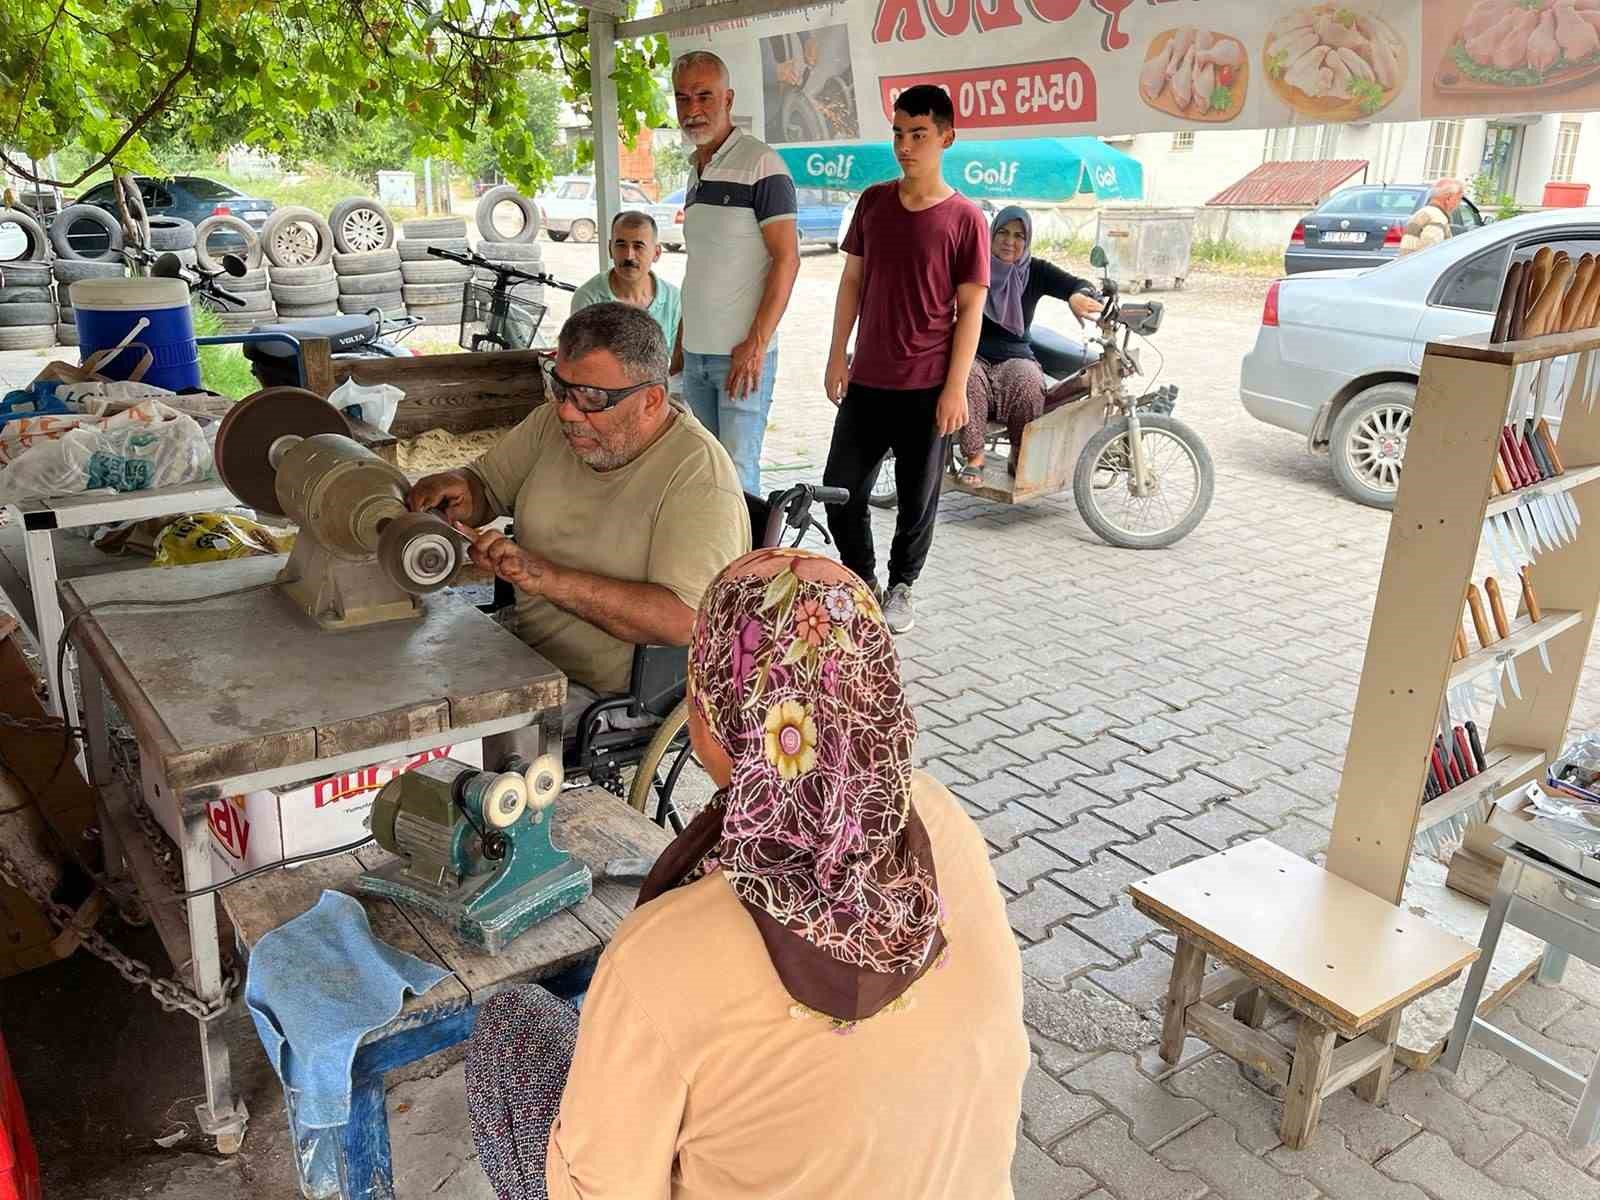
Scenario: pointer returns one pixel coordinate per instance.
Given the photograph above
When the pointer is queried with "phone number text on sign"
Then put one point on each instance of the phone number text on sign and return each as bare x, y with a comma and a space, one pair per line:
1057, 92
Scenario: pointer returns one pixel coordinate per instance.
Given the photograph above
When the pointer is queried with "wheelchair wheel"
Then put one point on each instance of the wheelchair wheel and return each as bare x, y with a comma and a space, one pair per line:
669, 786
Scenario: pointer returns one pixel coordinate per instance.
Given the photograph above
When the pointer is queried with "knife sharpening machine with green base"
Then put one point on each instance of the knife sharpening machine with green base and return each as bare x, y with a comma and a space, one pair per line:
474, 848
360, 558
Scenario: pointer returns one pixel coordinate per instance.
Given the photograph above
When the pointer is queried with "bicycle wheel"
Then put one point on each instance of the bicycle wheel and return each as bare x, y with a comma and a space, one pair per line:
1102, 484
670, 786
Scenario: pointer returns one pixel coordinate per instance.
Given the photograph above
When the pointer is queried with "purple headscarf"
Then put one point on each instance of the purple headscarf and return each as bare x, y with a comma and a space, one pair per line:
1007, 280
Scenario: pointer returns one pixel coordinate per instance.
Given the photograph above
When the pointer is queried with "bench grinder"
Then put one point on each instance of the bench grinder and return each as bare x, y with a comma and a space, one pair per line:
360, 557
474, 847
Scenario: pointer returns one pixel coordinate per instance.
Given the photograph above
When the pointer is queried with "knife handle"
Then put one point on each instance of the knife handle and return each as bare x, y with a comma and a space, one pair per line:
1469, 768
1477, 747
1529, 467
1550, 446
1508, 303
1491, 587
1479, 621
1502, 481
1458, 648
1525, 292
1532, 443
1529, 600
1441, 777
1508, 460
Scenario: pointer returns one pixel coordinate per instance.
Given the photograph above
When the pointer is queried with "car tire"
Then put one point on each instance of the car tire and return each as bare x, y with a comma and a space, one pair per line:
28, 274
28, 337
367, 285
361, 226
436, 314
299, 312
583, 230
436, 271
305, 294
432, 293
434, 229
251, 281
38, 245
375, 262
386, 301
171, 233
69, 271
554, 236
302, 276
417, 250
515, 253
226, 224
483, 216
32, 294
71, 216
287, 231
36, 313
1361, 446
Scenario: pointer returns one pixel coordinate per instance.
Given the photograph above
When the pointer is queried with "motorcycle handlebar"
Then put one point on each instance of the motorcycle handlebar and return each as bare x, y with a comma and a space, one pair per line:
222, 293
830, 495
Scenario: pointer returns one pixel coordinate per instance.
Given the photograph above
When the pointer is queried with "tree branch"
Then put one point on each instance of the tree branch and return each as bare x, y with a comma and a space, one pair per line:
33, 68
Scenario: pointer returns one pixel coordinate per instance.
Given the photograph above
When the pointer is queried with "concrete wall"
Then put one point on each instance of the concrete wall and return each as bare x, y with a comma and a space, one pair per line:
1248, 228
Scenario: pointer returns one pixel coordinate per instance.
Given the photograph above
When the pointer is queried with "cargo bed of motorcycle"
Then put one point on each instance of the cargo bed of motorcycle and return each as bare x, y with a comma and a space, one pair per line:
1050, 449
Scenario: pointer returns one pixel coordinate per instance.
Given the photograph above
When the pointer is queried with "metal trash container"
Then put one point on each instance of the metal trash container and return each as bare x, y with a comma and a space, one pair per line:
1146, 244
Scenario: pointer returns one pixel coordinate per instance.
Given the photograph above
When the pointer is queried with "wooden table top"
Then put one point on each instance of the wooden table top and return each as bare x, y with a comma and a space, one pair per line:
591, 823
1348, 952
248, 683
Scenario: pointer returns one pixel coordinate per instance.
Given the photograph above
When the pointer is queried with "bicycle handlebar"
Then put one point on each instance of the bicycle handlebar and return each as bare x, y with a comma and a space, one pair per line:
503, 273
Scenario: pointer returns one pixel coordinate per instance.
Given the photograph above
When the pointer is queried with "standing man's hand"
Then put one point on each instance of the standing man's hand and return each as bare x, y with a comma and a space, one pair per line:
951, 414
744, 369
836, 380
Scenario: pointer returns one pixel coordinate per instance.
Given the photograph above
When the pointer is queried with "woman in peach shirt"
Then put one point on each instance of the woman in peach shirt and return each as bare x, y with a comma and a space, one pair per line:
819, 994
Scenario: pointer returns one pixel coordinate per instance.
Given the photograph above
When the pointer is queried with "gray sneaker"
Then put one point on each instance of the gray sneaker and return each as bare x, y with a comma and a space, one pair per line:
898, 609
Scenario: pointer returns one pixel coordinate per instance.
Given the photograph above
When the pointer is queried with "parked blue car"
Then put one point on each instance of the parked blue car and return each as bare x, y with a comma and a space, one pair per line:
187, 196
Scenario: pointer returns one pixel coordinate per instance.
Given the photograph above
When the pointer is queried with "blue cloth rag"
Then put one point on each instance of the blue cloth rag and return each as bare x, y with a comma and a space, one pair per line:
319, 984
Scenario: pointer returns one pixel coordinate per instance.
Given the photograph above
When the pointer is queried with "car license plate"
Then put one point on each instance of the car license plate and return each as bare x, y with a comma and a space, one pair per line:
1353, 236
257, 217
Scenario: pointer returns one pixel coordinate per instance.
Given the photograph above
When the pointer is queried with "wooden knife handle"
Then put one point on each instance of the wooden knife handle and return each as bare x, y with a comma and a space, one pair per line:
1480, 621
1572, 303
1508, 303
1591, 300
1529, 600
1458, 650
1519, 310
1491, 587
1549, 443
1502, 481
1546, 314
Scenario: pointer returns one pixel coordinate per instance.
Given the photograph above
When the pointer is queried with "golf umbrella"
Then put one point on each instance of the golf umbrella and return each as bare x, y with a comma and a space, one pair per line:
1015, 169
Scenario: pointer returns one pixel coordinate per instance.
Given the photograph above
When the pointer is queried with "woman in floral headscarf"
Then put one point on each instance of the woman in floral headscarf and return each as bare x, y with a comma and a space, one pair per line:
819, 994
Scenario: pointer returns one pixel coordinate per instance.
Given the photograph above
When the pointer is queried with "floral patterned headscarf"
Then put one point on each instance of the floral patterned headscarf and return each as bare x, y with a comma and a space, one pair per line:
794, 672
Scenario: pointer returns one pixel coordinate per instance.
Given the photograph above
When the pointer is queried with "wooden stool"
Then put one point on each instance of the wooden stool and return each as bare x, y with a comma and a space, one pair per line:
1345, 960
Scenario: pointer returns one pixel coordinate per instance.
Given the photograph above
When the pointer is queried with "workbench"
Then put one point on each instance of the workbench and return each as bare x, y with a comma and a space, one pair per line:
242, 693
560, 951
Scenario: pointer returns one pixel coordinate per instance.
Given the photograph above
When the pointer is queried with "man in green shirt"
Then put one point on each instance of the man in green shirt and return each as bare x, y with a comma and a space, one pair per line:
634, 250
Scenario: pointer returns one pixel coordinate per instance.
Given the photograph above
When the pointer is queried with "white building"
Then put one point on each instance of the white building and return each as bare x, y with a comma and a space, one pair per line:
1521, 153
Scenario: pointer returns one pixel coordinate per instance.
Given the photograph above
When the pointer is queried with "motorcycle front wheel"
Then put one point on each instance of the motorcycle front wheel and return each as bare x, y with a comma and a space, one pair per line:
1102, 484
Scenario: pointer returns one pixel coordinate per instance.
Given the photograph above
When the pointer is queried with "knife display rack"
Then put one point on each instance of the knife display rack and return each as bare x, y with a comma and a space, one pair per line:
1468, 391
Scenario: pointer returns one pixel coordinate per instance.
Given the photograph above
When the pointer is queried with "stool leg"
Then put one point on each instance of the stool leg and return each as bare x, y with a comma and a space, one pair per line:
1374, 1087
365, 1172
1251, 1008
1182, 990
1553, 966
1505, 889
1313, 1055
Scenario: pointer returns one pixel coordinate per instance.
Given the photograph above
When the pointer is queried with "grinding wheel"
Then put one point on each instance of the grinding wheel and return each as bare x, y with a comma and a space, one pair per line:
420, 552
247, 433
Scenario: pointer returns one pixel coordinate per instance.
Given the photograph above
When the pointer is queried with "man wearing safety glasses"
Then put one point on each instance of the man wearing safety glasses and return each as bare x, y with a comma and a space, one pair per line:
623, 507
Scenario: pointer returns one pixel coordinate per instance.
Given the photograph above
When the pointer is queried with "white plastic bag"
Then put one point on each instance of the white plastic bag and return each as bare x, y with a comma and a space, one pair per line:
126, 457
376, 404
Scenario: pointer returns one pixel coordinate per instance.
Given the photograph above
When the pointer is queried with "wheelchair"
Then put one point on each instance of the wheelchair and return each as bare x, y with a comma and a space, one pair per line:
656, 742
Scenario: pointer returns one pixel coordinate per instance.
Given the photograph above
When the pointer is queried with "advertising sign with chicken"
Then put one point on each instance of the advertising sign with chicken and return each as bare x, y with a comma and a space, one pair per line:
1024, 68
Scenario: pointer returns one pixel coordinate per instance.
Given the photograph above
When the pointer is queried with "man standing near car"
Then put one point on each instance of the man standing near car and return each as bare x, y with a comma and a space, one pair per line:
744, 253
631, 281
916, 272
1430, 224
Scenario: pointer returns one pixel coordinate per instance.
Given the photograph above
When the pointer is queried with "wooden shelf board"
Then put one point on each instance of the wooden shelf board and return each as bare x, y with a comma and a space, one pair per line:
1478, 348
1506, 763
1526, 636
1573, 477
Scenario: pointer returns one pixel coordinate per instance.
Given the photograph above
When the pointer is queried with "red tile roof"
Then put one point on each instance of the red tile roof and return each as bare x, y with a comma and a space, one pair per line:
1290, 183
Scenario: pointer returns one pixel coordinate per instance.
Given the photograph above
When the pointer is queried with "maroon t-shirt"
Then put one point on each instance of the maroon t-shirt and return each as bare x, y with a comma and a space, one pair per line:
911, 265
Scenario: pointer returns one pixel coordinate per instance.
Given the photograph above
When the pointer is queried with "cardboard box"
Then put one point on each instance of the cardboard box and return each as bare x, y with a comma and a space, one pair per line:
261, 828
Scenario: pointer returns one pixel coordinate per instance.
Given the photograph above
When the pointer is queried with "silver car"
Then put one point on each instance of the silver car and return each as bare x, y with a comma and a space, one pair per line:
1338, 354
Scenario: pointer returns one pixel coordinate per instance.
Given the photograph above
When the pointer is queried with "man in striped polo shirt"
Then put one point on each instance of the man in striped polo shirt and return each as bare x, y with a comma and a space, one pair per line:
744, 254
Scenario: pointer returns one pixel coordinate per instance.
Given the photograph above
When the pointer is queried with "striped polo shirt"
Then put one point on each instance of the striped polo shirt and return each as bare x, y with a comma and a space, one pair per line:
744, 187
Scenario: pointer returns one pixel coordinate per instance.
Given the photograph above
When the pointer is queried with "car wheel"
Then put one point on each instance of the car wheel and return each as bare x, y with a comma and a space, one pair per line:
1368, 443
361, 226
297, 237
583, 230
556, 237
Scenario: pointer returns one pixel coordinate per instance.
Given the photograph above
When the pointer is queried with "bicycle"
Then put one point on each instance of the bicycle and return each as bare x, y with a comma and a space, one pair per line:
493, 317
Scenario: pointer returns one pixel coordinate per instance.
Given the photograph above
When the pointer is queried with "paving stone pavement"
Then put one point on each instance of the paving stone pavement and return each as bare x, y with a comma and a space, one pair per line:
1105, 714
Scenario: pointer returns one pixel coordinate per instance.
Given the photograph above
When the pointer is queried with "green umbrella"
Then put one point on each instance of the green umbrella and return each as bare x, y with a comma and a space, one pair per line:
1014, 169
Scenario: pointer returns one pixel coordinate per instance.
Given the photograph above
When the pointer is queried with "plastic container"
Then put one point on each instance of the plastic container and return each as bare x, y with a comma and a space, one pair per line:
1566, 195
1146, 244
106, 309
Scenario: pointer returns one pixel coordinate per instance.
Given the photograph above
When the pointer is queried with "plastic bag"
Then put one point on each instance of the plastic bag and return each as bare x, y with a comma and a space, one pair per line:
213, 536
376, 404
126, 453
1576, 770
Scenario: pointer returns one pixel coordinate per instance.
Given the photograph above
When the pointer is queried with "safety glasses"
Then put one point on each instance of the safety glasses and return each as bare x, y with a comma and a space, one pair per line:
585, 397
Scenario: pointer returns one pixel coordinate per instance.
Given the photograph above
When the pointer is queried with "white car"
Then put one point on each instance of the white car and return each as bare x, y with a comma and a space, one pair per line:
568, 209
1339, 352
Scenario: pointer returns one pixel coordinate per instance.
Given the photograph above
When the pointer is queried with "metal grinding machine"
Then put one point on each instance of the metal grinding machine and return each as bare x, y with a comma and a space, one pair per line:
474, 847
361, 557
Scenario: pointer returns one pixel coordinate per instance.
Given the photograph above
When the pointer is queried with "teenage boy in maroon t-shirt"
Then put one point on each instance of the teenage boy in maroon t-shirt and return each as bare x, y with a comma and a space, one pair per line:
916, 273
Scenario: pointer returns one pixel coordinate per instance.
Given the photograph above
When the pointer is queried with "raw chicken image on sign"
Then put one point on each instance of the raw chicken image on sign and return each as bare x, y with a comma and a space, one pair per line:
1195, 73
1510, 48
1334, 62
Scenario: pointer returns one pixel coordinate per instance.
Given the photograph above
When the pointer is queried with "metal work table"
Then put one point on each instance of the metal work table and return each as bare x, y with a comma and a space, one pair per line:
559, 951
242, 693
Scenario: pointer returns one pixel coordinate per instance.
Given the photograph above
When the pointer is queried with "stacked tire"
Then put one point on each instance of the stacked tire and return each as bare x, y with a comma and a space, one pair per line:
66, 272
364, 258
517, 249
27, 308
252, 287
431, 286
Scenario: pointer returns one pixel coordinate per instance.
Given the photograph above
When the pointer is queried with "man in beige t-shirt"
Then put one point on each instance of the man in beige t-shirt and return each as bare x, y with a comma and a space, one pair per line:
623, 507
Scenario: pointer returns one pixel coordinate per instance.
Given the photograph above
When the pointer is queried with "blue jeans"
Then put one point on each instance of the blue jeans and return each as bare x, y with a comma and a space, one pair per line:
740, 425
